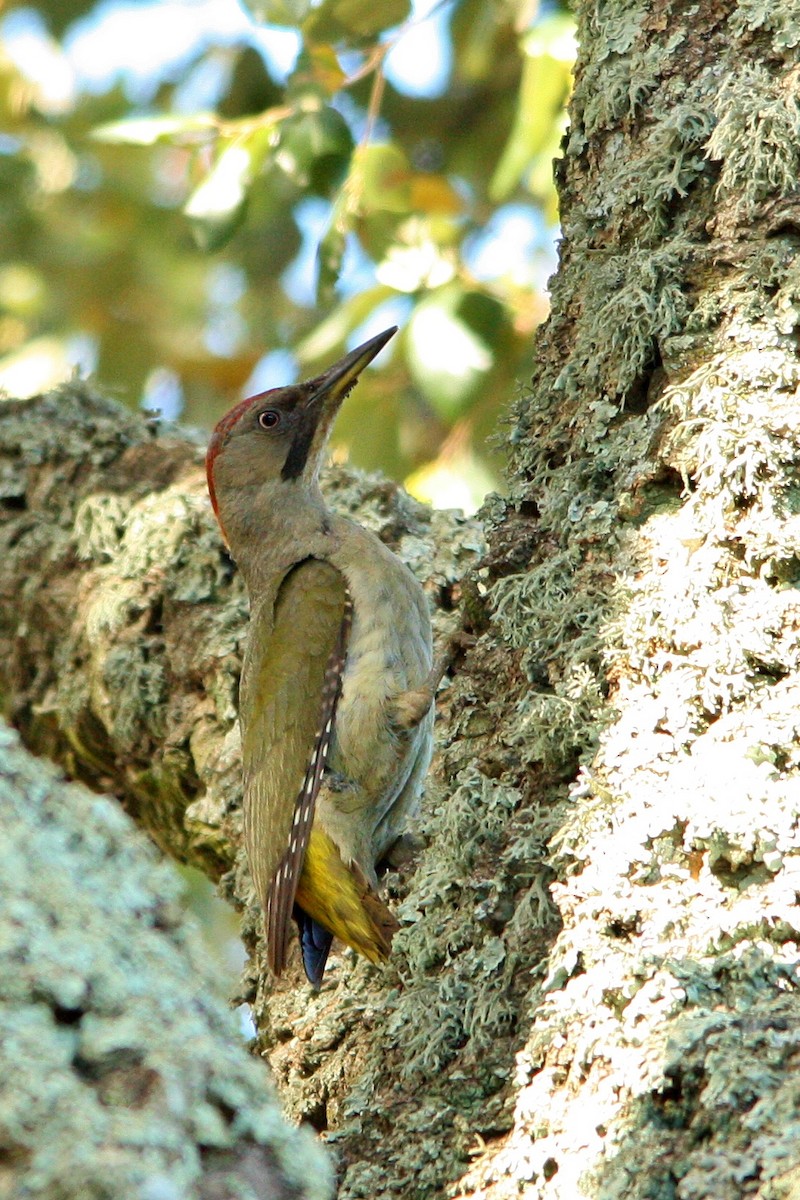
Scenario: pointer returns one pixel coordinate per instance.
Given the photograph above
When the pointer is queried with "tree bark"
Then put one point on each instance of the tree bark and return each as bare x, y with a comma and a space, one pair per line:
123, 1075
656, 623
594, 990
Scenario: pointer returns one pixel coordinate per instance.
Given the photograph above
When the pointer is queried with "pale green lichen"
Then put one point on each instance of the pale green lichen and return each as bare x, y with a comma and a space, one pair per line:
756, 139
630, 304
781, 20
124, 1073
455, 975
627, 69
662, 600
672, 162
678, 859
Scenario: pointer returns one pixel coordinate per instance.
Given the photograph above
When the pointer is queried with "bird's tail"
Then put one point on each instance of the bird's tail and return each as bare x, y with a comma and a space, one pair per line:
340, 900
315, 944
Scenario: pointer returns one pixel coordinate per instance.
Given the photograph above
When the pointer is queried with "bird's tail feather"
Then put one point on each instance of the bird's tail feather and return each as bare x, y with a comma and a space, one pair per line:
340, 899
315, 944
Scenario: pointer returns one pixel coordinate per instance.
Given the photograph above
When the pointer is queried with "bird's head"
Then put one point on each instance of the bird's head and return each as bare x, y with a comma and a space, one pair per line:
274, 443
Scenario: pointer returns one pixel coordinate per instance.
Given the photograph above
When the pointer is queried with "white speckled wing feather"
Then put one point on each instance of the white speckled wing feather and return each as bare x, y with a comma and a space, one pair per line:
294, 661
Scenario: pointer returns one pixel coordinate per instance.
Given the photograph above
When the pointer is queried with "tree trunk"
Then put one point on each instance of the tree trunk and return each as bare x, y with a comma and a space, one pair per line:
593, 992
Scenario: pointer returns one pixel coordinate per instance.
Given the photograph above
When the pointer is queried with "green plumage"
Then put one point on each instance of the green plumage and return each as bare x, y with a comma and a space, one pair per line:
339, 655
291, 641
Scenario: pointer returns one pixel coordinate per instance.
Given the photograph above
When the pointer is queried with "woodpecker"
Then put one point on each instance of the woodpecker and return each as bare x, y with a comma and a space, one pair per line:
337, 687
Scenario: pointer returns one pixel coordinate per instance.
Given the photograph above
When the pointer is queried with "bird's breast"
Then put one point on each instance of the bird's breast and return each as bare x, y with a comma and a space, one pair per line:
389, 652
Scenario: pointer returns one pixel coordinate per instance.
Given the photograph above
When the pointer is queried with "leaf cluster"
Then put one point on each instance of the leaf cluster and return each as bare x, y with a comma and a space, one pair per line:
173, 230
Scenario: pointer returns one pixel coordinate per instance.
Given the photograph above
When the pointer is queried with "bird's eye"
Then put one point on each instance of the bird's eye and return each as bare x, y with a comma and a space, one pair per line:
269, 419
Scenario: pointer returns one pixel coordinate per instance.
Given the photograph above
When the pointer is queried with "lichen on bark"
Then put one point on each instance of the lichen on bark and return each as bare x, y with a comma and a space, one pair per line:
657, 455
124, 1074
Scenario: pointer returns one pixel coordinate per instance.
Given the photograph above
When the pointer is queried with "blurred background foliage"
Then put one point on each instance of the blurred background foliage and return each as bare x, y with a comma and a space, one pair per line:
201, 199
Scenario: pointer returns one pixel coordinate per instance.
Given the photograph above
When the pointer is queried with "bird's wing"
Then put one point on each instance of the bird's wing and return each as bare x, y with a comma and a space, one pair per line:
294, 662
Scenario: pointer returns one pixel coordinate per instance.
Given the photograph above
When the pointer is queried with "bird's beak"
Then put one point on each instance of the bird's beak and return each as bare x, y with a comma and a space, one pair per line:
330, 388
324, 397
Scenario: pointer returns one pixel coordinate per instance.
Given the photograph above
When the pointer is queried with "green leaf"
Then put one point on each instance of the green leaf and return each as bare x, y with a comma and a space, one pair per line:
23, 291
317, 70
329, 261
481, 34
382, 179
216, 207
315, 149
146, 131
251, 89
278, 12
346, 20
331, 334
60, 14
447, 356
543, 89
